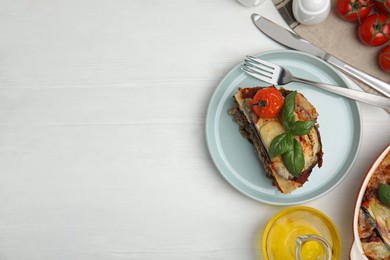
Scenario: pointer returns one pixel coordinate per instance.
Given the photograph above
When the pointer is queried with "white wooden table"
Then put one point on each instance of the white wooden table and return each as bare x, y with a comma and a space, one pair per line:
102, 143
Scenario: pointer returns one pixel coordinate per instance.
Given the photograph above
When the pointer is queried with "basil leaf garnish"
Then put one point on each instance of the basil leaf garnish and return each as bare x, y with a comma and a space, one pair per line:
293, 158
280, 144
300, 128
288, 117
286, 144
384, 194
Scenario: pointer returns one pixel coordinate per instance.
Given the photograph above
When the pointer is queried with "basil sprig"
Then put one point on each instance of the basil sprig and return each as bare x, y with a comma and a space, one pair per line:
286, 144
384, 194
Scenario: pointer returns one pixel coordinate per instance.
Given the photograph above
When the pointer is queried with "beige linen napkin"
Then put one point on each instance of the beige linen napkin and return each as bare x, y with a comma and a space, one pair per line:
339, 38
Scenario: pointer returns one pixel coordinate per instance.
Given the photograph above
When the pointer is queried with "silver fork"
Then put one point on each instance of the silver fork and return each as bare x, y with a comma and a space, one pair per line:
277, 75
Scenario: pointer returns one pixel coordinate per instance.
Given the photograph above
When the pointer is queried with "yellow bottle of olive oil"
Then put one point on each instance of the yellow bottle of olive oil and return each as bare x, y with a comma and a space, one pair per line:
301, 233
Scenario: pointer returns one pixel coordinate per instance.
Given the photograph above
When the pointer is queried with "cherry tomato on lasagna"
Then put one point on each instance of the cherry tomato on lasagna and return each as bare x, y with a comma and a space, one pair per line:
267, 102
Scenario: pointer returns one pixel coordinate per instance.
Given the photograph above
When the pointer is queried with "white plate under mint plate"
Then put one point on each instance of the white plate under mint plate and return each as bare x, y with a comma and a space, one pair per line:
340, 128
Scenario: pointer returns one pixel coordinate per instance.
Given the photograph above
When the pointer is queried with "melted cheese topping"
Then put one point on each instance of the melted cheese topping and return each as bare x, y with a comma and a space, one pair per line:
269, 131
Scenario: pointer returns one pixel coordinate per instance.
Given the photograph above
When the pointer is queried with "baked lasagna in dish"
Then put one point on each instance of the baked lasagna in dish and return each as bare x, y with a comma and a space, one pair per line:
282, 126
374, 213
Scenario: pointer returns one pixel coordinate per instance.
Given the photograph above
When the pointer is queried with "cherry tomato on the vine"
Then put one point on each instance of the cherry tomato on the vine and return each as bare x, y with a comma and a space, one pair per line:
382, 6
384, 58
353, 10
374, 30
267, 102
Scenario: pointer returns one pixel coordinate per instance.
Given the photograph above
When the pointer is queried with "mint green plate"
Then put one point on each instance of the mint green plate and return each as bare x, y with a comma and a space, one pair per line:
340, 128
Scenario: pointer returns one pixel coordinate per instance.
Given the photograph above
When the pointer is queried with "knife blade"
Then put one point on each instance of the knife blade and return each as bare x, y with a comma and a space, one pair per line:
294, 41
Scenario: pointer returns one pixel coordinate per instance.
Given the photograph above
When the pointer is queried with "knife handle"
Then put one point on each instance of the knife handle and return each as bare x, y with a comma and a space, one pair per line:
371, 81
361, 96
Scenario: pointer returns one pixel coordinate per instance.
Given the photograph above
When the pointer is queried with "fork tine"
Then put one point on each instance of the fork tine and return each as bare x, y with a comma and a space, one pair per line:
259, 65
254, 73
253, 69
263, 70
263, 62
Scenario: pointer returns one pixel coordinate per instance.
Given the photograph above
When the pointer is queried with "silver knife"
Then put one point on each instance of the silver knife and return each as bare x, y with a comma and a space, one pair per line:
294, 41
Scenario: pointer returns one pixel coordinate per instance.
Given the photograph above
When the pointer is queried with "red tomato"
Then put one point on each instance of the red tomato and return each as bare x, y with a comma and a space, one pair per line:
353, 10
267, 102
374, 30
382, 6
384, 58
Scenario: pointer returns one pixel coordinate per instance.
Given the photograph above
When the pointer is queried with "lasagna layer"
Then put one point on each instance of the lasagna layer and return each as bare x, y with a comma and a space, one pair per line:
260, 132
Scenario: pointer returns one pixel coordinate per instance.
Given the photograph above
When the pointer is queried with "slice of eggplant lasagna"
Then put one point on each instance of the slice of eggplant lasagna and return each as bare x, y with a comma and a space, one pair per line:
280, 128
